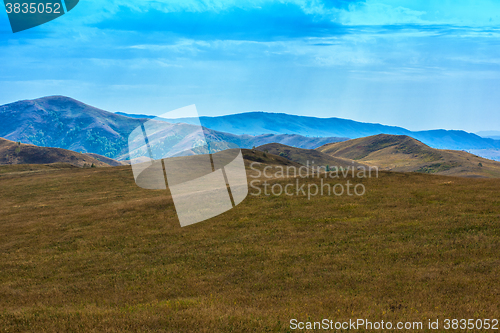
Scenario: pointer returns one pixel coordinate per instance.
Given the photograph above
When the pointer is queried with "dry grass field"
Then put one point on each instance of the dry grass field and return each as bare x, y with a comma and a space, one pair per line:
86, 250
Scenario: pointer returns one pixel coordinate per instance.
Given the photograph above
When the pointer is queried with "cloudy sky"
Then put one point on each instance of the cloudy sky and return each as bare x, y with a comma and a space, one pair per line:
417, 64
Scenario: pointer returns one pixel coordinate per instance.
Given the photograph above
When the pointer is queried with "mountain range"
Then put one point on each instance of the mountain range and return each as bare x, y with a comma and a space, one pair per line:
257, 123
62, 122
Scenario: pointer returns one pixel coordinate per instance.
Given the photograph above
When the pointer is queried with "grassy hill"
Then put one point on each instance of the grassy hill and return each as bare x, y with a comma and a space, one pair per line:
87, 250
19, 153
305, 156
405, 154
107, 160
255, 155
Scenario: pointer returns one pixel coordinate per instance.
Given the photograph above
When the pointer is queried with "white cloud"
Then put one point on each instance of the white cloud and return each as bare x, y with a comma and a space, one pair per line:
375, 13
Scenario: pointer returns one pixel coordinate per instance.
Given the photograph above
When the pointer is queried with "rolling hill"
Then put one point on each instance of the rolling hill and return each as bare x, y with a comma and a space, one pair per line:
107, 160
405, 154
307, 156
257, 123
13, 153
19, 153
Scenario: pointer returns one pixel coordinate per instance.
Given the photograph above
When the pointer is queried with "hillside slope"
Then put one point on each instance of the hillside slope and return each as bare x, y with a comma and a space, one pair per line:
308, 156
62, 122
405, 154
19, 153
107, 160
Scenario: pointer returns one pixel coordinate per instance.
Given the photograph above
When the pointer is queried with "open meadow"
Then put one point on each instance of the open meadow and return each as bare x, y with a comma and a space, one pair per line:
86, 250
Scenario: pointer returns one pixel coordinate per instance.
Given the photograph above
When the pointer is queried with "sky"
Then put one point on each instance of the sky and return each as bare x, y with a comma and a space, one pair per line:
421, 65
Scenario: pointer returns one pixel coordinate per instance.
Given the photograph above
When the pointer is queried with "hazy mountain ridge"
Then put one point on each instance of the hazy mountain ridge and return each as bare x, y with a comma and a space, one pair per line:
489, 134
62, 122
492, 154
257, 123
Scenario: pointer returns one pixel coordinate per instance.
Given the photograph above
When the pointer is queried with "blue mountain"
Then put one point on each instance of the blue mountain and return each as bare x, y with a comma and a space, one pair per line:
258, 123
62, 122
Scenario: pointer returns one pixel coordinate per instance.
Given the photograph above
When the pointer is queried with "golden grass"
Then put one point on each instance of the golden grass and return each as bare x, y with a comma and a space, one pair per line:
404, 154
86, 250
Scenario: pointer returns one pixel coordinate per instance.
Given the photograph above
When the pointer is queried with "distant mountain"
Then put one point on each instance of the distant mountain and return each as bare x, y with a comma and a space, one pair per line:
62, 122
492, 154
18, 153
256, 123
489, 134
405, 154
294, 140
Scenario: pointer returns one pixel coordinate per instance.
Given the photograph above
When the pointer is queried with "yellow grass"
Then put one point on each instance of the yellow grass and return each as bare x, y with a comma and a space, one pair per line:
86, 250
404, 154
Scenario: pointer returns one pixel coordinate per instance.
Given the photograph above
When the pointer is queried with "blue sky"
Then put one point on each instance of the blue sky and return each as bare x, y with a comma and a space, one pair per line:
416, 64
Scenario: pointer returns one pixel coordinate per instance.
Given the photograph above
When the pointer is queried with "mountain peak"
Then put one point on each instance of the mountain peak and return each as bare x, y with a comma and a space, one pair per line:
60, 101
